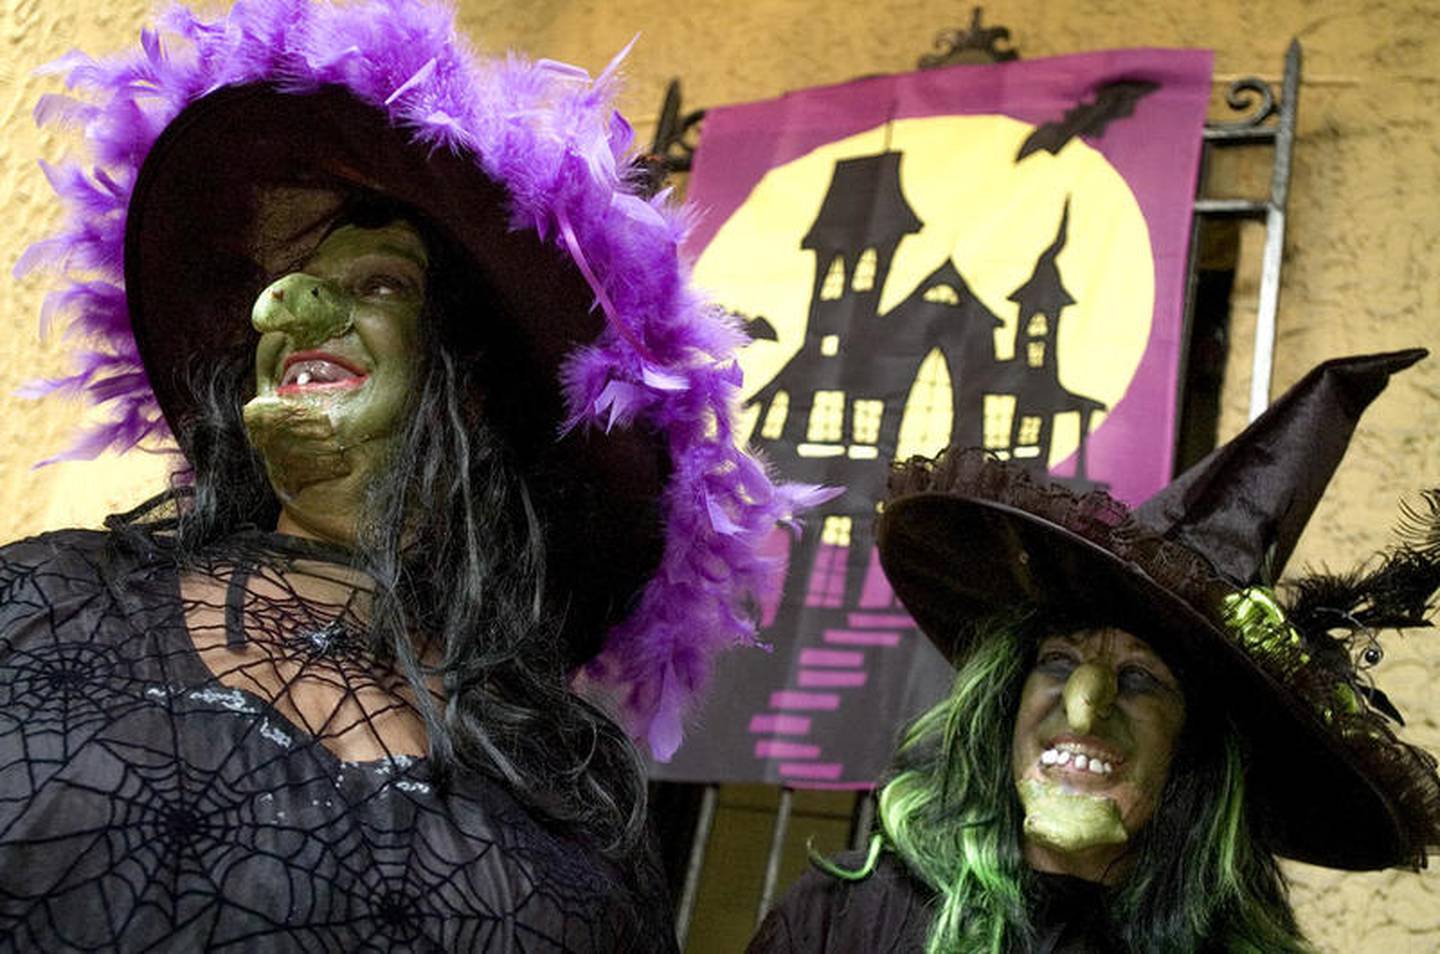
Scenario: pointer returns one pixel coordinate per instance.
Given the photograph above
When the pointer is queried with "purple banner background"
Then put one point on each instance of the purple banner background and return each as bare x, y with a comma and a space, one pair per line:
749, 728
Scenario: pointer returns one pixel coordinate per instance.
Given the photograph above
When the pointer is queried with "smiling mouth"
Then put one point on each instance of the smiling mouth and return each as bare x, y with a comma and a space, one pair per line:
1078, 759
307, 371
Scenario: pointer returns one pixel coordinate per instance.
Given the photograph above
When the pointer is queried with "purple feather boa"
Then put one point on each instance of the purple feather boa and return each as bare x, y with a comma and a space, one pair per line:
546, 131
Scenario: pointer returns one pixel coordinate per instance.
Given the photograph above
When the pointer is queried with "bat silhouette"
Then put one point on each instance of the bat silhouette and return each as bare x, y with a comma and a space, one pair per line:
1112, 101
758, 328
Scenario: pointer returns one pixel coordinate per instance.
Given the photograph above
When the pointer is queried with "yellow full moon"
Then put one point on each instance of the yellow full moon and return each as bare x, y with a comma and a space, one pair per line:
989, 214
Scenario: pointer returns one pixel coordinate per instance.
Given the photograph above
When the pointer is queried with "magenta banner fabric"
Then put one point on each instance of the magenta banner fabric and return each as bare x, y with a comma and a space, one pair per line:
985, 255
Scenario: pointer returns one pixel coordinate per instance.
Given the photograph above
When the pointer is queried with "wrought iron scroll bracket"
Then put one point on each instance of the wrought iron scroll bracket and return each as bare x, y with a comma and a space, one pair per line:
972, 45
1250, 93
673, 148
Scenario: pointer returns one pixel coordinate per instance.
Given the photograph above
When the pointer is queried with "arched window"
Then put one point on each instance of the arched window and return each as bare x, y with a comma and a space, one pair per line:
775, 415
929, 414
834, 285
864, 279
942, 295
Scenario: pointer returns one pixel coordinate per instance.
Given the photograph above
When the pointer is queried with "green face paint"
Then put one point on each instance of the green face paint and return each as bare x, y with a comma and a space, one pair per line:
336, 363
1095, 731
1069, 821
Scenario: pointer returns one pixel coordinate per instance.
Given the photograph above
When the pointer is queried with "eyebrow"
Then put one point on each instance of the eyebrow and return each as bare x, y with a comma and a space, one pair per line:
416, 257
414, 251
1076, 638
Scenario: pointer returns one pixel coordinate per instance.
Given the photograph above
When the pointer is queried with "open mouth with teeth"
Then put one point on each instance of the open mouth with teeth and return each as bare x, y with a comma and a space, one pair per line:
1064, 757
309, 371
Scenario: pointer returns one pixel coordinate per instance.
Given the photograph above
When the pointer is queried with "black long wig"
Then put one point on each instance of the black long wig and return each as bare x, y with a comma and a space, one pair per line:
455, 544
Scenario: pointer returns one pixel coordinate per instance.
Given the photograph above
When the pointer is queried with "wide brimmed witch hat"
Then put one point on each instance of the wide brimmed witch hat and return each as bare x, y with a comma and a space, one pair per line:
224, 149
965, 535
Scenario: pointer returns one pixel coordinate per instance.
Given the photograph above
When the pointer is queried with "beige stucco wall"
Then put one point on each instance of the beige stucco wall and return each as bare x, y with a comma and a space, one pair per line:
1364, 219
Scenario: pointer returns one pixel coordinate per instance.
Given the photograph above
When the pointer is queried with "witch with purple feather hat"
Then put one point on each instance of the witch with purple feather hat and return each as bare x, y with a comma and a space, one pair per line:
458, 511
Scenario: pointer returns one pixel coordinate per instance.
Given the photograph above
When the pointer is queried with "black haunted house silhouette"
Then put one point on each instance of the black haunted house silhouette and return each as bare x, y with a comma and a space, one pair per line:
834, 413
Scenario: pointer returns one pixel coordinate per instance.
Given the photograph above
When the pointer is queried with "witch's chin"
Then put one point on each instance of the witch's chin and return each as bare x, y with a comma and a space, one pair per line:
1069, 821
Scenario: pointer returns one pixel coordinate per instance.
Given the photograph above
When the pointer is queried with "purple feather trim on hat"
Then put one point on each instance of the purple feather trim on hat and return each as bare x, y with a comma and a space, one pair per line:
547, 132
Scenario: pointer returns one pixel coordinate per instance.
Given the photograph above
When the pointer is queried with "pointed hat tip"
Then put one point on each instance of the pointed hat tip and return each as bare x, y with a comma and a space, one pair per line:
1244, 505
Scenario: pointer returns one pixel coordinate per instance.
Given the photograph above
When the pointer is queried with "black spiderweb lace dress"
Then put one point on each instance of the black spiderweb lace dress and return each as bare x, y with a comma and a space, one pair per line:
162, 787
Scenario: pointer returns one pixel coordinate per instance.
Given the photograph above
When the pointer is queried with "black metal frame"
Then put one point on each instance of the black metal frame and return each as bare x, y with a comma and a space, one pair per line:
1256, 130
1269, 121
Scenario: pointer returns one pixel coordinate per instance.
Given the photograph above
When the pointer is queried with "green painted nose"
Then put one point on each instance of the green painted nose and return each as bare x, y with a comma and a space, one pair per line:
309, 309
1089, 694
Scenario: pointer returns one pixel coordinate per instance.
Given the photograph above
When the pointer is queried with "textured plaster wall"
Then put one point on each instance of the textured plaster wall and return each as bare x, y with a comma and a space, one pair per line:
1364, 220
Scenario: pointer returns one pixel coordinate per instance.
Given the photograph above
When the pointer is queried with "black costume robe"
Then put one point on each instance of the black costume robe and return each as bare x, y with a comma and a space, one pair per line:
889, 912
147, 805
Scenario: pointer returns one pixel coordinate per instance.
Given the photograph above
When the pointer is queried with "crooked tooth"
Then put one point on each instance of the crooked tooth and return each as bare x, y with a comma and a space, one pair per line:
1097, 767
1108, 768
1063, 758
1049, 757
1080, 761
303, 378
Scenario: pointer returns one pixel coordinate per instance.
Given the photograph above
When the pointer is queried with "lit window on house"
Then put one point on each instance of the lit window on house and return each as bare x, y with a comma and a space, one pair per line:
929, 414
775, 415
830, 345
865, 420
1029, 433
942, 295
864, 279
1038, 326
834, 284
1035, 354
827, 417
836, 532
999, 414
827, 578
820, 450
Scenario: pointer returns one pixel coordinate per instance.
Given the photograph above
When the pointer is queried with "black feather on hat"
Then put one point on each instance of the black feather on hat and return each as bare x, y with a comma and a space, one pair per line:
965, 535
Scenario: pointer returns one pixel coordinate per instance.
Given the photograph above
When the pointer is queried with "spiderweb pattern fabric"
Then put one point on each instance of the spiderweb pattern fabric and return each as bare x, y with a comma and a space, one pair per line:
212, 760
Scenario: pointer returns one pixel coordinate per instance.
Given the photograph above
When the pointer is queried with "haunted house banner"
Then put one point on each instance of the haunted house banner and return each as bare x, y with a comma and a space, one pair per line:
992, 256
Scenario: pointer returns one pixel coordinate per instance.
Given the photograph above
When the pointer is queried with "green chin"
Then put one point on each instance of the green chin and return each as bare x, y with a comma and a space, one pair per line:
1069, 821
298, 442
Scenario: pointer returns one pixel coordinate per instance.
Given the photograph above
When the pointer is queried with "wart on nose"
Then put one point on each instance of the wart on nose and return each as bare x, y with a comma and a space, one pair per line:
308, 308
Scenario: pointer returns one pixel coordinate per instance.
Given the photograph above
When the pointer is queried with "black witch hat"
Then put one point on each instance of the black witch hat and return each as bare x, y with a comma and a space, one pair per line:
965, 535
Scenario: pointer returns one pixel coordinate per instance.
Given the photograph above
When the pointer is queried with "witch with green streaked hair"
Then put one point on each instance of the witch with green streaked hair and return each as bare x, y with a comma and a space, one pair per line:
1142, 719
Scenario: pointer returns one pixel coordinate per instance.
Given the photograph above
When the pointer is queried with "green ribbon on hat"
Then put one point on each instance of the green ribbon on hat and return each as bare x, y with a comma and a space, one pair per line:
1256, 617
